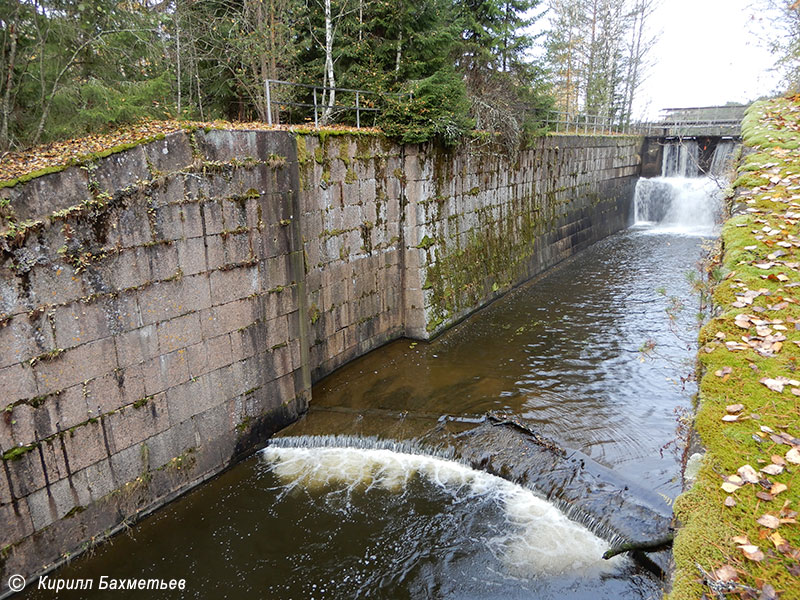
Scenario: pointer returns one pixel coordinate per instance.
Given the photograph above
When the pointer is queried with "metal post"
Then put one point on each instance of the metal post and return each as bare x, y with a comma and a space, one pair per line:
316, 120
269, 104
358, 113
594, 131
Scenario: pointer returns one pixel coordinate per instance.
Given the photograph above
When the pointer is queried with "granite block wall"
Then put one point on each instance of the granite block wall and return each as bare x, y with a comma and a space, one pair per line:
165, 309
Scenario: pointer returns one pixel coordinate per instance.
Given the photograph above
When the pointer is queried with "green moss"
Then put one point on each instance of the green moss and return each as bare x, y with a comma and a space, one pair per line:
18, 452
344, 151
707, 524
314, 313
276, 161
426, 243
142, 402
350, 176
75, 510
46, 356
82, 160
303, 155
244, 424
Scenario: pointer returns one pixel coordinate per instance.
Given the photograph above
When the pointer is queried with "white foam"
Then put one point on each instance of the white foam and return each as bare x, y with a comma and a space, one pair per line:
688, 206
539, 541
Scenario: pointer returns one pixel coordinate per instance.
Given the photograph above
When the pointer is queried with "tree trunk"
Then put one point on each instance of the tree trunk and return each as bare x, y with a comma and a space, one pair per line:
12, 56
326, 115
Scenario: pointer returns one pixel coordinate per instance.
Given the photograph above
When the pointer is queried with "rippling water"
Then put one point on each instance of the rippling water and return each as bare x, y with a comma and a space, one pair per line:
562, 352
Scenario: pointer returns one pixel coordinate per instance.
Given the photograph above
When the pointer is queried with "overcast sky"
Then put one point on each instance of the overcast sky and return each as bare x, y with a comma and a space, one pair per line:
708, 54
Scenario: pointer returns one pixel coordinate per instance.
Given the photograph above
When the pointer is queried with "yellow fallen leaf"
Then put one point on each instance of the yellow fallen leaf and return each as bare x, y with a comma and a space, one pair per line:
730, 487
777, 488
777, 539
740, 540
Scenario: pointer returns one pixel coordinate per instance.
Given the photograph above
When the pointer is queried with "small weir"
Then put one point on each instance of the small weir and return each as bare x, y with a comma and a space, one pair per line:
397, 485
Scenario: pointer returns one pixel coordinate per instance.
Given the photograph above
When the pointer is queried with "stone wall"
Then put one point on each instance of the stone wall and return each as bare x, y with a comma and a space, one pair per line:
351, 197
478, 223
164, 310
151, 333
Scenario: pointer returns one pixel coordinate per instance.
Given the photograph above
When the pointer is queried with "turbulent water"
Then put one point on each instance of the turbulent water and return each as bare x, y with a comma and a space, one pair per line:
680, 205
594, 354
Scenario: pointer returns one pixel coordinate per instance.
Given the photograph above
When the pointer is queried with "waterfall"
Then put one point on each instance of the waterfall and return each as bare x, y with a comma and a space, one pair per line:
720, 162
681, 159
684, 205
536, 538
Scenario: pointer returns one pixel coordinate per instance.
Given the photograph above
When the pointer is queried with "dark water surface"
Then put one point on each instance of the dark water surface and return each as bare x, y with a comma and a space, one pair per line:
562, 352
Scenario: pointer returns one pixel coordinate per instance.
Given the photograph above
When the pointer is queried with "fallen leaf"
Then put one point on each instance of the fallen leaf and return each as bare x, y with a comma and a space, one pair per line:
752, 552
748, 474
773, 384
730, 502
734, 408
777, 539
768, 593
730, 487
723, 371
726, 573
730, 418
770, 521
772, 470
765, 496
740, 540
777, 488
793, 456
778, 460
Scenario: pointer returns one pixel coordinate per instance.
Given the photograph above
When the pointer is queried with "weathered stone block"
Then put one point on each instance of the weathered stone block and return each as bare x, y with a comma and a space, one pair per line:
193, 224
169, 299
17, 522
173, 153
191, 256
165, 371
84, 445
120, 170
71, 366
80, 323
179, 332
133, 425
234, 284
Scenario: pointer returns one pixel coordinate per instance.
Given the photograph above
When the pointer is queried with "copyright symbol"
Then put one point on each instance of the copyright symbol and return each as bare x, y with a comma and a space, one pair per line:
16, 583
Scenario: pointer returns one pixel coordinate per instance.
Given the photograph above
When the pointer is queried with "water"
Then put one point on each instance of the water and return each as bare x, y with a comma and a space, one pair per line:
681, 159
679, 205
565, 353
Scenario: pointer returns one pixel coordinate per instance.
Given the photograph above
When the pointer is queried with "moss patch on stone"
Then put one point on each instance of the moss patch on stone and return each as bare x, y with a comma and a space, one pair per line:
737, 361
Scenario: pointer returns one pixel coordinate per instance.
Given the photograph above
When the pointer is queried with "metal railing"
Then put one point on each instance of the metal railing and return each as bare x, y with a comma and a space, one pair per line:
318, 107
576, 123
567, 122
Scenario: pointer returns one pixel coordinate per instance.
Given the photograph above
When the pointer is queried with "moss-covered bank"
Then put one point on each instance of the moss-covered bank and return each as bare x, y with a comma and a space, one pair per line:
738, 521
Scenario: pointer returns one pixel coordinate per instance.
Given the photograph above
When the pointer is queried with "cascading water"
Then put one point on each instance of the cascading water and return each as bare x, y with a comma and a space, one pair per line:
681, 205
531, 538
680, 201
681, 159
720, 162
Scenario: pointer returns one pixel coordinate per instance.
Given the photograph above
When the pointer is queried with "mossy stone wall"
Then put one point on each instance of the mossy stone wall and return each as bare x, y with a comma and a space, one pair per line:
481, 222
164, 310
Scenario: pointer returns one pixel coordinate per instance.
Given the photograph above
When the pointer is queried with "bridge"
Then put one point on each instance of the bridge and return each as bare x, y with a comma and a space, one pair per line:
700, 121
707, 125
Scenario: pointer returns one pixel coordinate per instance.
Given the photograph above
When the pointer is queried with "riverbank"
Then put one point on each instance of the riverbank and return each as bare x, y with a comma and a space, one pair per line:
739, 520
